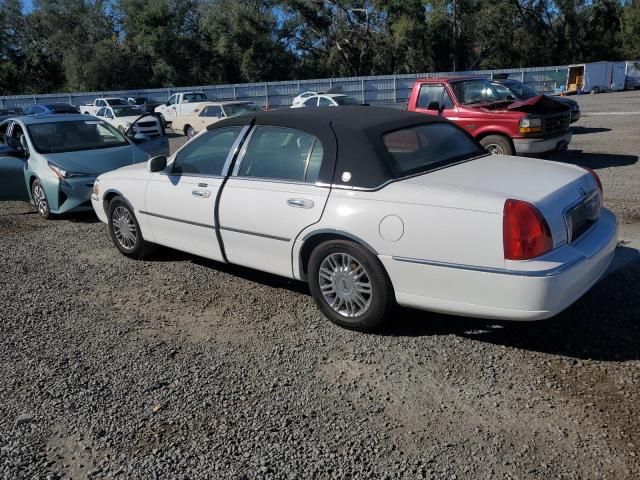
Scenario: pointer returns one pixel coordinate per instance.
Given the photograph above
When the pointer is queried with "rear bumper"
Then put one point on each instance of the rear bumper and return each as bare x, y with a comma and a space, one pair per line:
542, 145
525, 290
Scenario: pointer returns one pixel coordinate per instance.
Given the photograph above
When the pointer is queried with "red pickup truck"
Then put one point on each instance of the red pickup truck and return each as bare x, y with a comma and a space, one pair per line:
491, 114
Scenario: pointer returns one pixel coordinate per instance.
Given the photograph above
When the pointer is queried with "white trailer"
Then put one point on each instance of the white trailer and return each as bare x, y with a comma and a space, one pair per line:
596, 77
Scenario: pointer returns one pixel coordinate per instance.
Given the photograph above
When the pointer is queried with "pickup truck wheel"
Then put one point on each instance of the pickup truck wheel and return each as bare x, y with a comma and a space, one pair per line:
497, 144
350, 285
595, 90
125, 230
189, 131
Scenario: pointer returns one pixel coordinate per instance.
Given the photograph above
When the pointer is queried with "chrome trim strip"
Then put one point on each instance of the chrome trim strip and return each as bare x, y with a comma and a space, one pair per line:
243, 151
500, 271
256, 234
277, 180
234, 150
164, 217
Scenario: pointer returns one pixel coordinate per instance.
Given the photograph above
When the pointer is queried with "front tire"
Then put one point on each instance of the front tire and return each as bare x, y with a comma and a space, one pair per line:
497, 145
350, 285
189, 131
40, 200
125, 230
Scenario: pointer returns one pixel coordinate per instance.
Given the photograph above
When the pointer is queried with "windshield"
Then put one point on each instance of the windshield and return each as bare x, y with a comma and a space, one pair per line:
240, 108
478, 91
116, 101
522, 90
58, 137
346, 100
426, 147
194, 97
127, 111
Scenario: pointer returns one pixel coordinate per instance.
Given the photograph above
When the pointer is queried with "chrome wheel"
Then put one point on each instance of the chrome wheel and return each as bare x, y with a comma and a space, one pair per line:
345, 285
191, 132
40, 200
494, 149
124, 228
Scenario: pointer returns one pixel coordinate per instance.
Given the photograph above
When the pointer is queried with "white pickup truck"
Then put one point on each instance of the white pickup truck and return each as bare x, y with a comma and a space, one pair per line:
182, 103
99, 103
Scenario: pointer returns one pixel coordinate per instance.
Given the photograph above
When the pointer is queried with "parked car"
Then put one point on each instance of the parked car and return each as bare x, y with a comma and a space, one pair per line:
210, 113
522, 91
132, 117
99, 103
371, 210
328, 100
53, 160
39, 108
501, 125
298, 99
182, 103
10, 112
146, 103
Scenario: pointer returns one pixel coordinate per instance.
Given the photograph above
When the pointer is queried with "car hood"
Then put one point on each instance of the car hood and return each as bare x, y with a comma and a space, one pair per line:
95, 162
540, 104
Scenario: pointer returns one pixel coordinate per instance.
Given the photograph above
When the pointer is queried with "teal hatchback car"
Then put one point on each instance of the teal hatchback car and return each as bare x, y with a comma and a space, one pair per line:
53, 160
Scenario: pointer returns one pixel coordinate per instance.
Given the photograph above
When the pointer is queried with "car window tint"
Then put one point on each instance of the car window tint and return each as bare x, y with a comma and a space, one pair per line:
425, 147
311, 102
211, 111
206, 154
324, 102
278, 153
172, 99
433, 93
3, 131
315, 162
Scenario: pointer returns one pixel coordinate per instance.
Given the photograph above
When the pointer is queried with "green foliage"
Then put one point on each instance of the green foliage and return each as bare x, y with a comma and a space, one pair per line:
96, 45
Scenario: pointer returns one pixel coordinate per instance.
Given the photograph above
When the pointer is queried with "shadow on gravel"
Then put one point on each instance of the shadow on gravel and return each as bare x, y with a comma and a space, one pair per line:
586, 130
593, 160
603, 325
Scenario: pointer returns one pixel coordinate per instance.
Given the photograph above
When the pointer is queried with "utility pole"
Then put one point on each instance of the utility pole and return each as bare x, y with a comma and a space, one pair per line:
455, 33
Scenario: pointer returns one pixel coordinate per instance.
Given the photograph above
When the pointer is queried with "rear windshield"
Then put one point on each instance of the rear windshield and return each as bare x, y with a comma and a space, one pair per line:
426, 147
346, 100
194, 97
130, 111
58, 137
239, 108
117, 101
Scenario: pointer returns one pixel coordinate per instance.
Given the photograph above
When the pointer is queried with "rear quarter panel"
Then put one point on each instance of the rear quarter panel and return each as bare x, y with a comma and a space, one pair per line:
432, 227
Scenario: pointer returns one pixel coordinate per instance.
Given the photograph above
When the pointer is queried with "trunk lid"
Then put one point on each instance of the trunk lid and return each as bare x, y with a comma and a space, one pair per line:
487, 182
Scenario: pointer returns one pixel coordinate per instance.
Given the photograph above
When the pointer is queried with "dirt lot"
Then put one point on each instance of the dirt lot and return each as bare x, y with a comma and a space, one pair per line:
184, 368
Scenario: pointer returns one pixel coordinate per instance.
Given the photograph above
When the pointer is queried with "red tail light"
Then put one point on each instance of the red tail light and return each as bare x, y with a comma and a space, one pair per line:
525, 232
595, 177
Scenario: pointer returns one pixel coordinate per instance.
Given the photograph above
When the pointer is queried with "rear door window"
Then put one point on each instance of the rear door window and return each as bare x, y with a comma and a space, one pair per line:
282, 154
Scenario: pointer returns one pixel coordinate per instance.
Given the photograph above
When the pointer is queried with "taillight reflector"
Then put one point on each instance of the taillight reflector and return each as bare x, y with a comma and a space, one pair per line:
525, 232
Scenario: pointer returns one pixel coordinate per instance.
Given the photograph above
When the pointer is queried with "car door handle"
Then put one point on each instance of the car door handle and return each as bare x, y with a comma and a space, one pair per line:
201, 193
300, 203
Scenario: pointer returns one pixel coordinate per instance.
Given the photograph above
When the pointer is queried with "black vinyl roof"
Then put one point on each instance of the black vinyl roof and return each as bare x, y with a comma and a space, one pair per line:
351, 138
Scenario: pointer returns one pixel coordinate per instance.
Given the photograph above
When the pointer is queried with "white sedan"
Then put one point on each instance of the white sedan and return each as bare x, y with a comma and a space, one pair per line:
298, 99
371, 210
327, 100
124, 116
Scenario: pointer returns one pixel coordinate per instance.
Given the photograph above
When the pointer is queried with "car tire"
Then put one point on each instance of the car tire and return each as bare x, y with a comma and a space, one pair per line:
350, 285
497, 144
595, 90
189, 131
124, 230
40, 200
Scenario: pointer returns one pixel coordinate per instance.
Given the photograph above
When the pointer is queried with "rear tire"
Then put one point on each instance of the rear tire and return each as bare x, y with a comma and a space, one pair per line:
497, 145
189, 131
125, 230
350, 285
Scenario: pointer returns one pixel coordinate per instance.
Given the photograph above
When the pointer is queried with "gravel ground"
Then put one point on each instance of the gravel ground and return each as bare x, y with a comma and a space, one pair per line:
184, 368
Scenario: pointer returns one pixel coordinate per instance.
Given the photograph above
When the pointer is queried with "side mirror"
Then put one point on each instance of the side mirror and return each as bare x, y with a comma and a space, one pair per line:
167, 103
435, 106
157, 164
